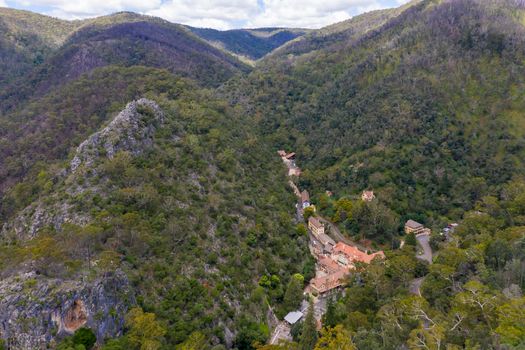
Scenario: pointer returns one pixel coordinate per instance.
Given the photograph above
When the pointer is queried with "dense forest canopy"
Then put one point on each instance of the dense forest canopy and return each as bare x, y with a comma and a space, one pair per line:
139, 173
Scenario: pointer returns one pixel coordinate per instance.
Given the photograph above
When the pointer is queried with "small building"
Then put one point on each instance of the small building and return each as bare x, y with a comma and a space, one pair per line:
316, 226
367, 196
412, 226
305, 199
293, 317
290, 156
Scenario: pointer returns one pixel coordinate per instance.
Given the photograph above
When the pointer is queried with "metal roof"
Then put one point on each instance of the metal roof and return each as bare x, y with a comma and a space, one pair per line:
293, 317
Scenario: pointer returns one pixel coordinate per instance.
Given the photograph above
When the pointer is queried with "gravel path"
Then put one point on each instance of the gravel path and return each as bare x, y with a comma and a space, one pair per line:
423, 241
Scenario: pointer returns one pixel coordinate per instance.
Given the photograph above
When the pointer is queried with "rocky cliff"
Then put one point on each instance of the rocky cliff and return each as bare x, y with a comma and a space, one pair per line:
130, 131
35, 310
37, 307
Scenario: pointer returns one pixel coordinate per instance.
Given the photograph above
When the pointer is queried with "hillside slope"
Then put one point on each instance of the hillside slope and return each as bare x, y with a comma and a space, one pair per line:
177, 194
337, 35
426, 109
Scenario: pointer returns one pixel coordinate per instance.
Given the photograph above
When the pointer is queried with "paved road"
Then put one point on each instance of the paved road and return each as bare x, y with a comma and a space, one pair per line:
423, 241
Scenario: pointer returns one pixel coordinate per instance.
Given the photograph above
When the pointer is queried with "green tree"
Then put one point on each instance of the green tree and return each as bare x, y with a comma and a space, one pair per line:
145, 332
308, 212
309, 334
84, 336
336, 338
196, 341
294, 293
511, 320
330, 316
410, 239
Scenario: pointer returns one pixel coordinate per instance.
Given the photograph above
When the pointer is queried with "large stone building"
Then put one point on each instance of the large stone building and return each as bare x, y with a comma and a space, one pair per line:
315, 226
414, 227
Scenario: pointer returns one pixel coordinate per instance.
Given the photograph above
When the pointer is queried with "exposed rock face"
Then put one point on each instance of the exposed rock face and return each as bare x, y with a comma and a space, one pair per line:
131, 130
34, 310
37, 216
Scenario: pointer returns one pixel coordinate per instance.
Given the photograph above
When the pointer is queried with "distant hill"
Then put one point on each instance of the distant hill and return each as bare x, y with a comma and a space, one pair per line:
249, 43
27, 40
123, 39
339, 34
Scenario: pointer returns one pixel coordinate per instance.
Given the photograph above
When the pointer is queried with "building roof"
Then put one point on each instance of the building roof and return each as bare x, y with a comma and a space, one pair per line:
368, 195
325, 239
290, 155
315, 222
413, 224
353, 254
305, 196
293, 317
328, 282
328, 264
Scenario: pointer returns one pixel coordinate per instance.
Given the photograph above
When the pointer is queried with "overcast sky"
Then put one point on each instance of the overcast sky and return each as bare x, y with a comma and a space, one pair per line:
219, 14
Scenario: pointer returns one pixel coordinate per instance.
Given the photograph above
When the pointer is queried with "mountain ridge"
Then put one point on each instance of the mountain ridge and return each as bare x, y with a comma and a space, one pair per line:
161, 157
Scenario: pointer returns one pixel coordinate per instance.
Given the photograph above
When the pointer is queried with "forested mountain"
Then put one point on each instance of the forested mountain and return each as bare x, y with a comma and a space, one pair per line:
250, 43
143, 205
425, 108
123, 39
337, 34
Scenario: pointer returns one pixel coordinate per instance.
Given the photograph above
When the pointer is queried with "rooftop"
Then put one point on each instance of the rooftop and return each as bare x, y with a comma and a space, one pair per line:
331, 281
328, 263
293, 317
368, 195
325, 239
355, 254
315, 222
413, 224
305, 196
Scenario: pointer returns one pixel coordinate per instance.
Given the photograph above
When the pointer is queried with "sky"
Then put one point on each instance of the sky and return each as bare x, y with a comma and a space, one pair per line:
218, 14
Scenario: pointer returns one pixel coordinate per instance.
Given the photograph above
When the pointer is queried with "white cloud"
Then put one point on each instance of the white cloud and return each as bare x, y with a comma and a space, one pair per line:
3, 3
207, 13
220, 14
310, 13
80, 9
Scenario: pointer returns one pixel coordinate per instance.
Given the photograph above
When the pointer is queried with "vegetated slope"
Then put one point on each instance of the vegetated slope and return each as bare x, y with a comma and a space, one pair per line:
249, 43
27, 40
183, 198
337, 35
45, 129
124, 39
427, 109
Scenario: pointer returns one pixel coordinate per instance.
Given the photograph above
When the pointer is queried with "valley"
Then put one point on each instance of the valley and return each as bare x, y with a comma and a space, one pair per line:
358, 186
